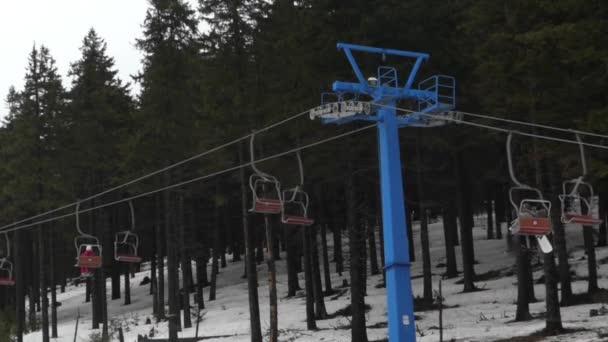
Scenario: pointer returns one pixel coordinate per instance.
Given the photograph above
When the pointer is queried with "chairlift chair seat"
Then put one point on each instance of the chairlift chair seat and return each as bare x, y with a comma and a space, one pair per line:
533, 226
297, 220
7, 282
89, 261
128, 258
585, 220
267, 206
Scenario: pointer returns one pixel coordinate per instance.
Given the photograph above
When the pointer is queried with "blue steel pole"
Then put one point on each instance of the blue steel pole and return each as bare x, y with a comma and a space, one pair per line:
401, 325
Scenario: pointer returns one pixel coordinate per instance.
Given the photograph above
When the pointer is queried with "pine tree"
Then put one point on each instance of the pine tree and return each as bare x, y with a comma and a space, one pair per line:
34, 120
99, 114
169, 115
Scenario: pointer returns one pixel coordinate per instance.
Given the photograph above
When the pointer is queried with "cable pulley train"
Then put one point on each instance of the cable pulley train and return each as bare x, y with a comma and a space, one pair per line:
126, 243
532, 210
580, 205
88, 249
6, 266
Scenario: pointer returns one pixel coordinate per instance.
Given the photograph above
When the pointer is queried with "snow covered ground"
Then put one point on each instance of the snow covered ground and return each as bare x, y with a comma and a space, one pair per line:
480, 316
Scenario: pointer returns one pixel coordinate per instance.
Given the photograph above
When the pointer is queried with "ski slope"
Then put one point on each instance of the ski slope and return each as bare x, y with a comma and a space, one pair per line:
479, 316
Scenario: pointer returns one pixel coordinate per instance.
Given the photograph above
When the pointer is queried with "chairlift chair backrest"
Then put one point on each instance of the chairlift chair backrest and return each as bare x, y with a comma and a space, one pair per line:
296, 201
295, 207
266, 194
532, 210
126, 243
533, 213
265, 188
6, 273
84, 259
89, 260
579, 204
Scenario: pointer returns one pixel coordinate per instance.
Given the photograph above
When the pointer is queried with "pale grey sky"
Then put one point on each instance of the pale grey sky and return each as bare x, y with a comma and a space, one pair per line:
61, 25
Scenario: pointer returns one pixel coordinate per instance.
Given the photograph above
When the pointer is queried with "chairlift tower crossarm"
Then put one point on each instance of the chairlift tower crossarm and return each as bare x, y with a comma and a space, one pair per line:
386, 92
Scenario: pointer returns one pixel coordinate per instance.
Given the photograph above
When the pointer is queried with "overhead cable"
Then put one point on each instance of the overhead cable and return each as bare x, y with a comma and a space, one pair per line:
176, 185
153, 173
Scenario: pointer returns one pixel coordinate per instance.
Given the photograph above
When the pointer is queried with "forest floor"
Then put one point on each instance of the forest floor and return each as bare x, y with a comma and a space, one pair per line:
486, 315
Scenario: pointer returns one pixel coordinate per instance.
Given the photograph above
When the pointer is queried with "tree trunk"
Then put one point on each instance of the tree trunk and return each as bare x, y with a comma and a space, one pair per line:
363, 255
160, 259
95, 320
127, 284
320, 311
261, 240
185, 263
559, 237
426, 258
171, 268
509, 217
34, 285
424, 228
591, 259
490, 218
276, 248
43, 284
523, 279
326, 271
115, 276
88, 290
373, 254
222, 254
381, 235
115, 266
308, 282
53, 287
154, 278
104, 307
215, 254
449, 228
553, 320
602, 240
33, 324
252, 275
187, 273
201, 269
466, 225
20, 285
292, 259
410, 235
499, 210
530, 282
338, 258
358, 328
272, 283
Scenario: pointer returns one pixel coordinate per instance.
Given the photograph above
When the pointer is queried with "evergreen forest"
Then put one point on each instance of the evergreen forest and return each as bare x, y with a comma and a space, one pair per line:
80, 150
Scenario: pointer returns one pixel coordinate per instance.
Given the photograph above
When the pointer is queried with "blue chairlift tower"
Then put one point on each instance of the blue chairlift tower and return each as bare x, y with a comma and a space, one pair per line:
435, 98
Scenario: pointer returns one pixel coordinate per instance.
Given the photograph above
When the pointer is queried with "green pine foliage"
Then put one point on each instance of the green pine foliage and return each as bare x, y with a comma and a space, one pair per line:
98, 117
32, 135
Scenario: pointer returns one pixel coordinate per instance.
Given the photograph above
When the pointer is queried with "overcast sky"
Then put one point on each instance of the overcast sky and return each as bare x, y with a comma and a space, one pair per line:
61, 25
